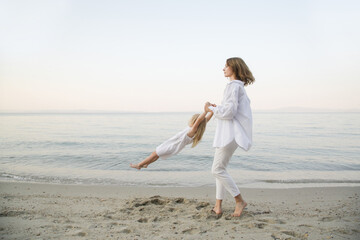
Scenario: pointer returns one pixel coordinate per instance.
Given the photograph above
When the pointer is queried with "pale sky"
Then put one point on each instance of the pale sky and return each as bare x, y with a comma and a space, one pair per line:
140, 55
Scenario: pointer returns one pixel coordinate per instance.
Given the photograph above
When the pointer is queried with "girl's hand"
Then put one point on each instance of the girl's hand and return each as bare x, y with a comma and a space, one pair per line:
206, 107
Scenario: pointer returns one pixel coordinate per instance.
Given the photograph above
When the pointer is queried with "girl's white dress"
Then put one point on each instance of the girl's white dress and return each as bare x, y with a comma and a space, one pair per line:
174, 145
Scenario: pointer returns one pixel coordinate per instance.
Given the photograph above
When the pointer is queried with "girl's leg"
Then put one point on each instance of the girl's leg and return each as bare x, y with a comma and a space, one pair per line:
150, 159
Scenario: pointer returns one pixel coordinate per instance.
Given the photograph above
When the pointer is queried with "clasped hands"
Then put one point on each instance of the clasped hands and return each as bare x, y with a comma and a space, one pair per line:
207, 105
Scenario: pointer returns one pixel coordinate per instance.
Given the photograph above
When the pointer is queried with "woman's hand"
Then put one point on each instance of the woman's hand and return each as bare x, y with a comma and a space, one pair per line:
207, 105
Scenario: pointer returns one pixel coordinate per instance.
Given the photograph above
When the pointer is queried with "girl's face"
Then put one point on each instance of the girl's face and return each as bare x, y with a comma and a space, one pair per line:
228, 71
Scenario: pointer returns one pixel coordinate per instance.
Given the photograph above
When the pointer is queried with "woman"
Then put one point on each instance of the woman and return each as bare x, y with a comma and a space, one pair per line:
234, 129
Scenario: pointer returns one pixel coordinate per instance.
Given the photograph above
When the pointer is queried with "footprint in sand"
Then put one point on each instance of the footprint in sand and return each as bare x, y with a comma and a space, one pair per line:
125, 210
113, 224
158, 201
190, 231
125, 230
305, 225
179, 200
275, 236
261, 212
12, 213
295, 234
248, 225
196, 216
213, 216
156, 219
153, 200
254, 225
156, 196
202, 205
142, 203
327, 219
260, 225
80, 234
272, 221
171, 209
244, 215
143, 220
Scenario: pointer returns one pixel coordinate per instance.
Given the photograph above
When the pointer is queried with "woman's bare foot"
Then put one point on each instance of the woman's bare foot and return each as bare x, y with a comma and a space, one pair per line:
135, 166
239, 207
217, 210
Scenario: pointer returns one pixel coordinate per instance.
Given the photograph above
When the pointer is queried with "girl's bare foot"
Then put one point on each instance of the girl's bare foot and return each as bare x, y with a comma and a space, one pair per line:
135, 166
239, 207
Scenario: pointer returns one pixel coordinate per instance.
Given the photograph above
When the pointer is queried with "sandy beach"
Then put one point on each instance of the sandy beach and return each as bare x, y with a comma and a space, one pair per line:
50, 211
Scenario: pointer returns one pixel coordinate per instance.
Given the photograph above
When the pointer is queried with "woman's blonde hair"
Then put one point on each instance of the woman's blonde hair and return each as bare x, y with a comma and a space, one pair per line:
241, 70
200, 130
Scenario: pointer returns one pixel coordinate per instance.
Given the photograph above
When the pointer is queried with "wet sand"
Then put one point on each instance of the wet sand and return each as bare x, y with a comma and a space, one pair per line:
50, 211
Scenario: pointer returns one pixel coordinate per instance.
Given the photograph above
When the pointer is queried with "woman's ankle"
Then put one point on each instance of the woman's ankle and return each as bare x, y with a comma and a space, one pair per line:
239, 198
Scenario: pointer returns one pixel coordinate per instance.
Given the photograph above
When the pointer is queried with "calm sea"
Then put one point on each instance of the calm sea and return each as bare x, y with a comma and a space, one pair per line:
289, 150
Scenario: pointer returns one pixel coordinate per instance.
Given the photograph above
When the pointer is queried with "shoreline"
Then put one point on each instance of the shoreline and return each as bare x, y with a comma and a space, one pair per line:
58, 211
243, 178
128, 190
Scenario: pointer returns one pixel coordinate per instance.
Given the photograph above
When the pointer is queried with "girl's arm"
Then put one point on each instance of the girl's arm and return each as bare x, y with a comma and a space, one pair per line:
193, 129
209, 116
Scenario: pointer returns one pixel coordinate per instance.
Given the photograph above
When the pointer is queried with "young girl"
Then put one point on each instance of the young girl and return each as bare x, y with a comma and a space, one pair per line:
234, 129
191, 134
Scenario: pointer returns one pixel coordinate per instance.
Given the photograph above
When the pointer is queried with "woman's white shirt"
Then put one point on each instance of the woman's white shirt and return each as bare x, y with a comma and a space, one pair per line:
234, 117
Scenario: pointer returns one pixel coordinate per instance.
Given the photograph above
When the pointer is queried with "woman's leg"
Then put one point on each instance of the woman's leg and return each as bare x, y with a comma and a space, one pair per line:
240, 204
220, 190
224, 180
220, 194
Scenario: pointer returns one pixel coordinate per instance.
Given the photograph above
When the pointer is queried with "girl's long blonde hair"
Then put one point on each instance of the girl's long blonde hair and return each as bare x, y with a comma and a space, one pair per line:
200, 130
241, 70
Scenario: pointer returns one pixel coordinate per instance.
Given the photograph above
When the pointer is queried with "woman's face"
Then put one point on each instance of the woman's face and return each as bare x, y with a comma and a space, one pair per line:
227, 71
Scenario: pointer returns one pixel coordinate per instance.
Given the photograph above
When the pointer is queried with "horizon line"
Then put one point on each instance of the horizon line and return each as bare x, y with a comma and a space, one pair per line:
83, 111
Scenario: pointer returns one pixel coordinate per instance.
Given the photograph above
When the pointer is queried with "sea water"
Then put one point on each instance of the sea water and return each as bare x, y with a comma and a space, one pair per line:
289, 150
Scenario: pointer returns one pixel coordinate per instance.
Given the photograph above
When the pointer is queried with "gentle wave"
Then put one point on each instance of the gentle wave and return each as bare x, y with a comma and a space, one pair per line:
43, 147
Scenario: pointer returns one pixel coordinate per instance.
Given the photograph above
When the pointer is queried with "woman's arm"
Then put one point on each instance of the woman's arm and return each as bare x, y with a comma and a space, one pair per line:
228, 110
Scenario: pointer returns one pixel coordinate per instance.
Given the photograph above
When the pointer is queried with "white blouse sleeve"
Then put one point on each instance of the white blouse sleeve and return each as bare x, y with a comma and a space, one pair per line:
228, 110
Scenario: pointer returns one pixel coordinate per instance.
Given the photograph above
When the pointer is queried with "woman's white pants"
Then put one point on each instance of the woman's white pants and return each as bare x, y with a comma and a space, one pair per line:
223, 180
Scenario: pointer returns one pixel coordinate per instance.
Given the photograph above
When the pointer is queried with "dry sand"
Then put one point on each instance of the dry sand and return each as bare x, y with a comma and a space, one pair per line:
50, 211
